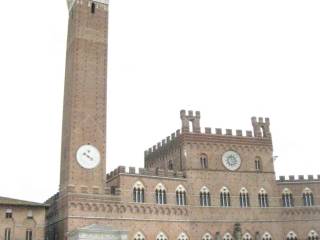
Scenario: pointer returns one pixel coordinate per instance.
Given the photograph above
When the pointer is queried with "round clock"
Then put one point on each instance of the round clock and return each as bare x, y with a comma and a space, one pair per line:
231, 160
88, 156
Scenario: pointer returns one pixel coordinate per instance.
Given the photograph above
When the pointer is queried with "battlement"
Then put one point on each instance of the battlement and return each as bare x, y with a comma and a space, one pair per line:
261, 130
152, 172
300, 178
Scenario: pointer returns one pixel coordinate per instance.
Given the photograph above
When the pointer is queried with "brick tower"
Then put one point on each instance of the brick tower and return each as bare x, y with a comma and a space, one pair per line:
83, 164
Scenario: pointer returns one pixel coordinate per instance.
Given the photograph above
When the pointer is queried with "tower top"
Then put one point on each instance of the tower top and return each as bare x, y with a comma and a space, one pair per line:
71, 2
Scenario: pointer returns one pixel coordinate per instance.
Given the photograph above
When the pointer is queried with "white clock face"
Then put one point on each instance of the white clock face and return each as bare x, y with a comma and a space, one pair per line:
231, 160
88, 156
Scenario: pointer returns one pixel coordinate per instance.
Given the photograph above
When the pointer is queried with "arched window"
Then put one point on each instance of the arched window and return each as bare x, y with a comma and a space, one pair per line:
207, 236
244, 198
204, 160
205, 199
263, 198
182, 236
313, 235
287, 199
139, 236
93, 7
307, 196
170, 165
181, 195
161, 197
29, 234
257, 164
7, 234
138, 192
225, 200
161, 236
246, 236
227, 236
266, 236
292, 236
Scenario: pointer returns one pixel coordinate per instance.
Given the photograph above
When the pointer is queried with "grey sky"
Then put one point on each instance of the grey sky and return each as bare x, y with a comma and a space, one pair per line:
229, 59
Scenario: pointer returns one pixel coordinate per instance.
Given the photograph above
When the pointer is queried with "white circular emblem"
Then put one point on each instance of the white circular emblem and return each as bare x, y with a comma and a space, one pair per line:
88, 156
231, 160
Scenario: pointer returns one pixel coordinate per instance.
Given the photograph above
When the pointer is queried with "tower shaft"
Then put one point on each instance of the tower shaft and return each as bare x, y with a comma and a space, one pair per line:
84, 114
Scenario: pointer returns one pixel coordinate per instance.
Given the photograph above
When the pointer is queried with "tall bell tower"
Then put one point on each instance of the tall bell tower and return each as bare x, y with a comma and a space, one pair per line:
83, 151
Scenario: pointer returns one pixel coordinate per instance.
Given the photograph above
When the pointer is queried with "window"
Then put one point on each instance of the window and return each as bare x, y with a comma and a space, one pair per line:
9, 213
287, 199
138, 236
204, 160
161, 236
29, 234
257, 164
313, 235
205, 199
30, 214
307, 197
207, 236
247, 236
181, 195
7, 234
263, 198
170, 165
93, 7
266, 236
244, 198
182, 236
161, 197
227, 236
138, 192
225, 200
291, 236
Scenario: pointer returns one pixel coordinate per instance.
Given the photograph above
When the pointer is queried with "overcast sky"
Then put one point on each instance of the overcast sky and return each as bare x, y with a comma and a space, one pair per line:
229, 59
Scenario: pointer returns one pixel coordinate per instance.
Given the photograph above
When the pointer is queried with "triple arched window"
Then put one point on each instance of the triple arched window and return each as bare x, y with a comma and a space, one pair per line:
266, 236
244, 198
181, 195
139, 236
161, 236
225, 200
182, 236
207, 236
227, 236
291, 236
138, 192
287, 199
161, 197
247, 236
307, 197
205, 199
263, 198
313, 235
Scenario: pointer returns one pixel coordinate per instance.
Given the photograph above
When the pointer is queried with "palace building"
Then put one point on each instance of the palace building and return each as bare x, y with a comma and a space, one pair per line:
196, 184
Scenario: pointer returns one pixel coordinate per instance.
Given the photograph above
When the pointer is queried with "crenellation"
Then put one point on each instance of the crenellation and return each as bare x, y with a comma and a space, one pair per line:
239, 133
300, 178
207, 130
145, 172
229, 132
249, 133
218, 131
132, 170
121, 169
